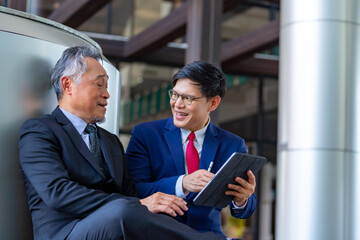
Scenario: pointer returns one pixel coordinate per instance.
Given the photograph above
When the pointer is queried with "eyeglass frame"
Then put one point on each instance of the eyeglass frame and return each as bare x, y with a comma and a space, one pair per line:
183, 97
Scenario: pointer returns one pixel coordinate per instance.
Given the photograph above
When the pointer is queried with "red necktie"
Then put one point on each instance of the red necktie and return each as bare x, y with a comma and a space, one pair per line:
192, 155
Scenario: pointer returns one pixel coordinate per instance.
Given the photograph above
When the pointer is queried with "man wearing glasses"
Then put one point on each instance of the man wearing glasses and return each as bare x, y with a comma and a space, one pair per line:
180, 155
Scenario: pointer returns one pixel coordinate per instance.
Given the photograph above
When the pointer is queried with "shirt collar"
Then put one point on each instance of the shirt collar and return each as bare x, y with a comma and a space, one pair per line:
78, 123
199, 134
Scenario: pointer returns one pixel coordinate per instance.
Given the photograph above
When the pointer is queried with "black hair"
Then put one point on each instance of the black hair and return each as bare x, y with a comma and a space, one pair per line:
210, 78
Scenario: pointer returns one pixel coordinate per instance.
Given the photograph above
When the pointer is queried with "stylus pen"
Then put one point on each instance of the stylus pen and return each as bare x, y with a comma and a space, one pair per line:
210, 166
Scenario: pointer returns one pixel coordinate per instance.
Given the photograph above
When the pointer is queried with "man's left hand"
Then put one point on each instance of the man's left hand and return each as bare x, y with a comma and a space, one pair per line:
243, 190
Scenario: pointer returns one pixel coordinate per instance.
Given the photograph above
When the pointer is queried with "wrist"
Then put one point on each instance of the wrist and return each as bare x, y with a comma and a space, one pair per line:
183, 183
241, 203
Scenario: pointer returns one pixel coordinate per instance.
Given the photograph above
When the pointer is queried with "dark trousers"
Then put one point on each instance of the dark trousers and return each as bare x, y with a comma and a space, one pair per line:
128, 219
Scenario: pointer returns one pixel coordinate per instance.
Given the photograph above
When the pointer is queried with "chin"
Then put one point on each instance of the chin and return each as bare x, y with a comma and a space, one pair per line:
179, 124
98, 119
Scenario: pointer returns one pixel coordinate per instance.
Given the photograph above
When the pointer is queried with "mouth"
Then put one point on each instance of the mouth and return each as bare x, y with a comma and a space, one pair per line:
180, 115
103, 105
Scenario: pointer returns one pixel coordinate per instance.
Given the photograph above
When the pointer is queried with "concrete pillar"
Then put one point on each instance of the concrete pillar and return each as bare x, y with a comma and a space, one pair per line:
318, 178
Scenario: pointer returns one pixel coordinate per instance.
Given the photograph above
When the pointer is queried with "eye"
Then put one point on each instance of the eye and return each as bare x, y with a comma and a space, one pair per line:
187, 98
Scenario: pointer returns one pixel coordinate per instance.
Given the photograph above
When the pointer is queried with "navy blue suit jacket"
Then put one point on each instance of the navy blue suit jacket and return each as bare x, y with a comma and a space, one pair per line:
155, 159
62, 180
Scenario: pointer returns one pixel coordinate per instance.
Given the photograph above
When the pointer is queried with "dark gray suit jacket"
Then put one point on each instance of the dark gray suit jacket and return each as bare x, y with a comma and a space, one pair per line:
63, 182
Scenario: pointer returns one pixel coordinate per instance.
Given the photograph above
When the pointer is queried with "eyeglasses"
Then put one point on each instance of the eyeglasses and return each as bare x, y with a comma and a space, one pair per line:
187, 99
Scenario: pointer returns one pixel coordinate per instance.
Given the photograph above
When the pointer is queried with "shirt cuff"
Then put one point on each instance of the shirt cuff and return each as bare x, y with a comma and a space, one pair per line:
179, 189
239, 208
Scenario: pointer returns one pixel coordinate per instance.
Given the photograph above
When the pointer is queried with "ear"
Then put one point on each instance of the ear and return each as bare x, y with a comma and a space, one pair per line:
67, 85
214, 103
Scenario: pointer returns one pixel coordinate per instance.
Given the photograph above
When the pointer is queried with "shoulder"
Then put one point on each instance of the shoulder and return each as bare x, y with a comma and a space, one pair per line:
153, 126
226, 135
229, 140
105, 133
37, 132
36, 124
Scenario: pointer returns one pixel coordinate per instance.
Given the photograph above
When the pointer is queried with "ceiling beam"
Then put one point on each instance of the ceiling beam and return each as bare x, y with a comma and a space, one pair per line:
173, 56
255, 41
17, 4
74, 13
254, 66
113, 47
158, 34
165, 30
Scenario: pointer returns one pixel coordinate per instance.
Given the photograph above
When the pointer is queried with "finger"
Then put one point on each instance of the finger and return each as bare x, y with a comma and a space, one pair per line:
235, 194
168, 207
165, 209
236, 188
171, 200
208, 174
176, 209
242, 182
251, 176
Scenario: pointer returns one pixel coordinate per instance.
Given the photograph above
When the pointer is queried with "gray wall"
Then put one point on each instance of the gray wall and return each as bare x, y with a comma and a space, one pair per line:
29, 48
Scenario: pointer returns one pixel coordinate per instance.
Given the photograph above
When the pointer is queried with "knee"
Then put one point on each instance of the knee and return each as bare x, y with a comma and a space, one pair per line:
123, 210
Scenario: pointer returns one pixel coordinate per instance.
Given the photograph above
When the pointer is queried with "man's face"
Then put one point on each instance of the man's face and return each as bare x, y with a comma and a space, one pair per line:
89, 97
194, 116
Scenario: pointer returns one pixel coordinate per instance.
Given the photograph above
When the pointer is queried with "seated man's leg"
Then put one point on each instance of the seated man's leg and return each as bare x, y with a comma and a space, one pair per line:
128, 219
104, 223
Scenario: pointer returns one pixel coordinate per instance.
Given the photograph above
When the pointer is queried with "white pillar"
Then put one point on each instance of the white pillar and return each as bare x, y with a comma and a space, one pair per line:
318, 183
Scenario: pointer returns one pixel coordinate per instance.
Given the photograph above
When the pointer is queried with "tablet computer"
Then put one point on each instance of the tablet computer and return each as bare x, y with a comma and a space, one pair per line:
213, 194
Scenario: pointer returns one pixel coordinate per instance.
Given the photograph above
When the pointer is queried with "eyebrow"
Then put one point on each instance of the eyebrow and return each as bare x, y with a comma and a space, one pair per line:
103, 76
184, 94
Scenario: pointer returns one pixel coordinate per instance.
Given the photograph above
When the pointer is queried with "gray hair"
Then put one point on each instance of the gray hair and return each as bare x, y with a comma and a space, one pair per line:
72, 64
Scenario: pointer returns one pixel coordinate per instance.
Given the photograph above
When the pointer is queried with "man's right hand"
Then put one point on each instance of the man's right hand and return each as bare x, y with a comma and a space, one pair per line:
197, 180
165, 203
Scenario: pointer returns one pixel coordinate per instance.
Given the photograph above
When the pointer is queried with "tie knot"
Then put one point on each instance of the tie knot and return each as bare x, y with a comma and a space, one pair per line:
191, 136
90, 129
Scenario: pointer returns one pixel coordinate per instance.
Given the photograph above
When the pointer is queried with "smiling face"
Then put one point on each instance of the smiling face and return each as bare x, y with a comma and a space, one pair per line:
195, 116
88, 99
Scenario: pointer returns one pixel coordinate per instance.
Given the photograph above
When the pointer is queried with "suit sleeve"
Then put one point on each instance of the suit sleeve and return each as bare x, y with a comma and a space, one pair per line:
41, 161
139, 163
252, 201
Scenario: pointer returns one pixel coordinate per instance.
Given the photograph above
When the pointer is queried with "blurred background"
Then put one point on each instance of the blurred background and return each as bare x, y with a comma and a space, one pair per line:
147, 41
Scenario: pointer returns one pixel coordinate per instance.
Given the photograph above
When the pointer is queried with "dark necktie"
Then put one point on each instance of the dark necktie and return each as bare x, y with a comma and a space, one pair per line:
95, 147
192, 155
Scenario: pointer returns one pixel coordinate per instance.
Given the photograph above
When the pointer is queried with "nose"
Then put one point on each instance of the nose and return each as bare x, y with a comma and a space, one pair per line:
106, 94
179, 103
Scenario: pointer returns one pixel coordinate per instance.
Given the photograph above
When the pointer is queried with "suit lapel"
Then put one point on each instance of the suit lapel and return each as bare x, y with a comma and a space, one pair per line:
76, 138
173, 139
210, 147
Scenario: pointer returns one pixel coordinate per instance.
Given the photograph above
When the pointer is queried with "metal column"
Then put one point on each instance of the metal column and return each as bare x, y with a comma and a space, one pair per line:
204, 31
318, 182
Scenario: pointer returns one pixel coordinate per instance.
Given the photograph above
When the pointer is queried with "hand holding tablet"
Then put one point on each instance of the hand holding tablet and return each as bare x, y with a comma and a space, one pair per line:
213, 194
